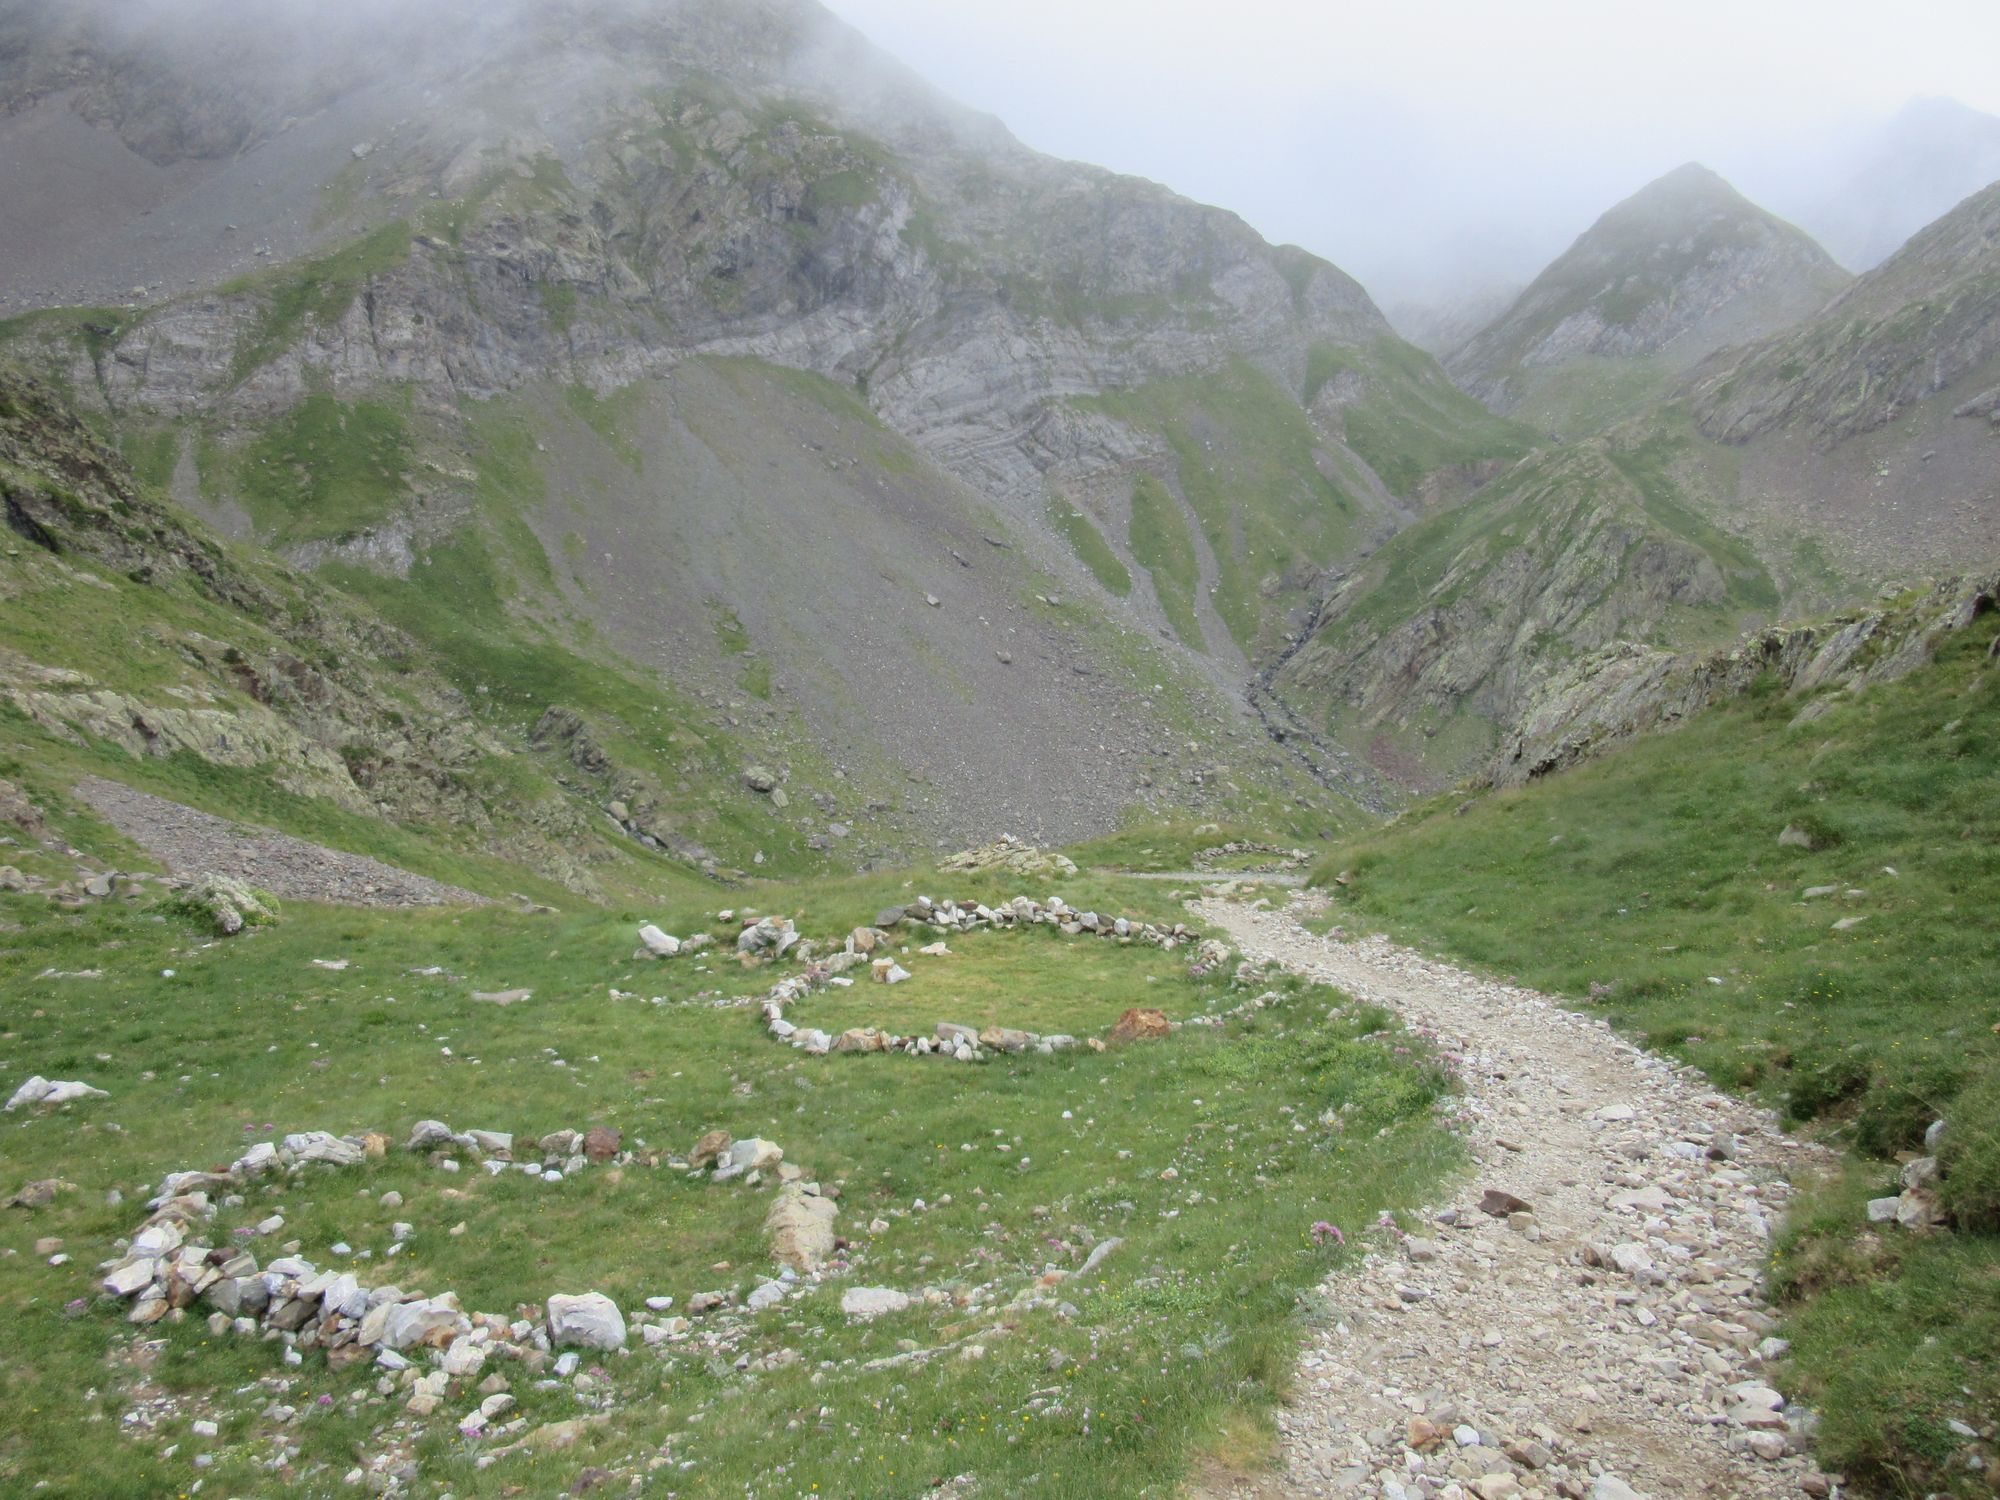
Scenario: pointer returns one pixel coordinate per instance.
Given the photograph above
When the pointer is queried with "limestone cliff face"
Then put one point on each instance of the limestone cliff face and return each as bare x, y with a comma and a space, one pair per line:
693, 178
1680, 269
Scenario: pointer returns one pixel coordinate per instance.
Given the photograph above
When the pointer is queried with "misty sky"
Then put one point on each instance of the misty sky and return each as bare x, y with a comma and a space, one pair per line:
1418, 144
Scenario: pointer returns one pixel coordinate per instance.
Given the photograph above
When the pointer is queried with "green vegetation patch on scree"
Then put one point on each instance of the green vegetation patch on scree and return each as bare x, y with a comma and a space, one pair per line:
1160, 540
1658, 871
1244, 456
1075, 526
1408, 420
958, 1178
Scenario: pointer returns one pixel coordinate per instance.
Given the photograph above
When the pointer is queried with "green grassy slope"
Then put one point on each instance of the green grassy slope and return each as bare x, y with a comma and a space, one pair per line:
1242, 454
1407, 420
974, 1176
1438, 638
1658, 873
1254, 469
314, 710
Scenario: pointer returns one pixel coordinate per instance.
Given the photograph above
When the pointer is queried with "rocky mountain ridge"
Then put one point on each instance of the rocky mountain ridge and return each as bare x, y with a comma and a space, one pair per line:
1682, 268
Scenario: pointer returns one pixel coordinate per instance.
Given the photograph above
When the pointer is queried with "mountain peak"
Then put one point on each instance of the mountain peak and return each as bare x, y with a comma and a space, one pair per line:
1683, 267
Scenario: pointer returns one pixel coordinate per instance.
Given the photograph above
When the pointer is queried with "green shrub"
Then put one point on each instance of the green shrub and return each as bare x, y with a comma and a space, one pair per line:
1901, 1102
1969, 1156
1822, 1081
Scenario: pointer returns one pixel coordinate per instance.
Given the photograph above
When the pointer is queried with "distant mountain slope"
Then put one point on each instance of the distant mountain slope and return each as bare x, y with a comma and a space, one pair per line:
1443, 325
1929, 156
1792, 475
481, 312
1682, 268
1925, 321
1421, 656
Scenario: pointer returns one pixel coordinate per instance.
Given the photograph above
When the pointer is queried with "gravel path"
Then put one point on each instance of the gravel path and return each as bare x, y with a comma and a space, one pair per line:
1607, 1344
195, 843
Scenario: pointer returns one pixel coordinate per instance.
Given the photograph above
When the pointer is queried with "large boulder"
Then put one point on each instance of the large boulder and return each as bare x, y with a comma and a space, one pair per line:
752, 1155
800, 1227
227, 904
590, 1321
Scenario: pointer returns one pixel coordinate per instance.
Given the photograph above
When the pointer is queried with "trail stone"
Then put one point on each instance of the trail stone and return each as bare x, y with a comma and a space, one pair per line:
1141, 1025
589, 1321
318, 1145
863, 1304
752, 1155
709, 1148
1649, 1357
800, 1228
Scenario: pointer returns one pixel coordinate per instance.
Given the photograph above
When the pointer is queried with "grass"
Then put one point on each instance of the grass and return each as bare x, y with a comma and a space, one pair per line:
1409, 421
1587, 396
326, 470
1161, 545
1244, 457
1075, 526
1188, 1331
606, 416
1657, 871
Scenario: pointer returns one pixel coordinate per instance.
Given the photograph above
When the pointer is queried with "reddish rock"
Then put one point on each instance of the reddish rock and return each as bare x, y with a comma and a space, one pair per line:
602, 1143
1138, 1025
1500, 1203
709, 1147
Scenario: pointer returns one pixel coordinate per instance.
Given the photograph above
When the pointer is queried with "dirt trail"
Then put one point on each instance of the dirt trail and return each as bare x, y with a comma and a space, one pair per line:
1611, 1343
195, 843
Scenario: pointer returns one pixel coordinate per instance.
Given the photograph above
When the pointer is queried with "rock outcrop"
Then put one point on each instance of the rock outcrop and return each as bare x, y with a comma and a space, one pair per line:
1628, 690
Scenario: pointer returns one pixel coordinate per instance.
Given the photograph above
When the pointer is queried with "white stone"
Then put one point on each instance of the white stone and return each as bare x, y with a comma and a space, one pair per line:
864, 1303
591, 1321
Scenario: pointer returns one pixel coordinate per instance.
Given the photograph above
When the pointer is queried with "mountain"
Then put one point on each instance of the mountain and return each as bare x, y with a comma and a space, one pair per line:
1682, 268
704, 341
1785, 477
1896, 178
1875, 427
1444, 325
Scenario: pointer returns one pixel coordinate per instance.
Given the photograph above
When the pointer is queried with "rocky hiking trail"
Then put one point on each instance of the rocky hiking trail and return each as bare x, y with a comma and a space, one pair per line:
1602, 1337
193, 842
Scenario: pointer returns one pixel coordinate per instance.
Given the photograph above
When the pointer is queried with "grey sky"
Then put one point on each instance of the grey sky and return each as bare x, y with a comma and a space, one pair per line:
1425, 142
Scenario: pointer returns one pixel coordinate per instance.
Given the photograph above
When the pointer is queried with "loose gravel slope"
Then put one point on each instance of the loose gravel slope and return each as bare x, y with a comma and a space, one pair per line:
194, 842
